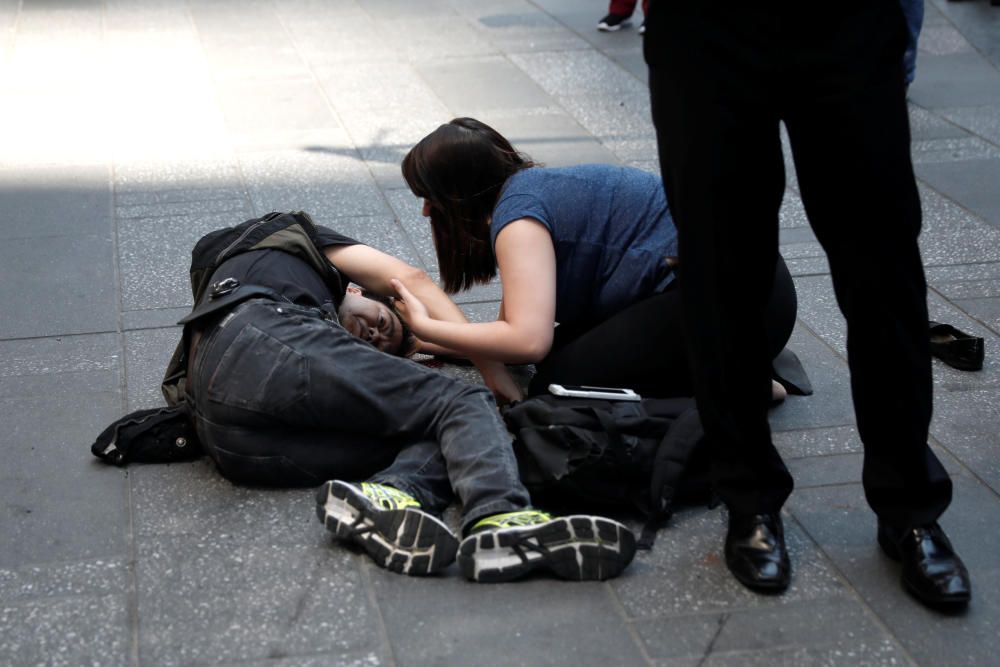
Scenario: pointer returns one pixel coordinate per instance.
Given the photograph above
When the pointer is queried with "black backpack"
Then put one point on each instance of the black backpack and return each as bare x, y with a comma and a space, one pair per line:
157, 435
593, 453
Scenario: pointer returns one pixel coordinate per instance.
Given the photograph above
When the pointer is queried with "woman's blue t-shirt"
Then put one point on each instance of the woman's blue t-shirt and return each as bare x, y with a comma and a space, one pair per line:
611, 229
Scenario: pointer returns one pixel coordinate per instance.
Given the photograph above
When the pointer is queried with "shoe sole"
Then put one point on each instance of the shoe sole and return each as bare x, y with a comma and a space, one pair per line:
408, 541
604, 27
577, 548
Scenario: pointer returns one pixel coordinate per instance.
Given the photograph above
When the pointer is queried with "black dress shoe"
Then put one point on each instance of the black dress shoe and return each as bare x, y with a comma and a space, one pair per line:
932, 571
956, 348
756, 554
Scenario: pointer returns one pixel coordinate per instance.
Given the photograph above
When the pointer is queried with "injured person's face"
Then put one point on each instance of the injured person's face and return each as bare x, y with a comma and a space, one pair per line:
371, 321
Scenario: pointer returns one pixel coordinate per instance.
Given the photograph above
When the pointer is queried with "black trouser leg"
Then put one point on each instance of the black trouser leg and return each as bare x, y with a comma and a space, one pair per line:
852, 156
720, 156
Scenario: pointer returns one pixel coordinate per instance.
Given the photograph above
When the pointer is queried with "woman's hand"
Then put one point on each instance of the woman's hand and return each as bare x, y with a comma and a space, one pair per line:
495, 375
409, 307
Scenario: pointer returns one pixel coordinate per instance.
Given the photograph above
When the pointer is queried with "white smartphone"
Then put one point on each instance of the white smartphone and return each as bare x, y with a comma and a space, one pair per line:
583, 391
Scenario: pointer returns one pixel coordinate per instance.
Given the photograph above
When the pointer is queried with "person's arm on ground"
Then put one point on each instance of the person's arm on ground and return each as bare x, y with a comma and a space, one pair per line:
373, 269
523, 333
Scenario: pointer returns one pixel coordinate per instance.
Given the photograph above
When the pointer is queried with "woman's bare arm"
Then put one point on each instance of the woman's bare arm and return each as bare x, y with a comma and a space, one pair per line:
523, 333
373, 270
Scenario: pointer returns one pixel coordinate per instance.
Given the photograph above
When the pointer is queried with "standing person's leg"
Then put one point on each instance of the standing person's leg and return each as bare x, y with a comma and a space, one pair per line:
851, 120
643, 347
619, 12
720, 155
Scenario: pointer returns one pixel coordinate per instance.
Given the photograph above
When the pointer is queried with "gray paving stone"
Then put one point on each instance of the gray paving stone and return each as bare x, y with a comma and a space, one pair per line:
969, 289
236, 206
808, 266
878, 652
382, 233
676, 640
155, 256
39, 201
553, 139
792, 214
75, 293
953, 150
927, 125
842, 624
254, 109
408, 208
534, 616
976, 24
630, 58
685, 572
22, 359
570, 73
942, 275
515, 26
972, 183
375, 86
986, 310
147, 353
219, 599
334, 35
941, 38
959, 80
817, 442
846, 468
831, 404
840, 521
968, 426
99, 577
983, 121
58, 502
194, 500
327, 185
154, 318
386, 134
482, 83
419, 39
90, 630
154, 181
621, 122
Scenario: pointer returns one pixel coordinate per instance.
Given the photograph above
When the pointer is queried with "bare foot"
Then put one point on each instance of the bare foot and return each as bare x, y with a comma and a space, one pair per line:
778, 392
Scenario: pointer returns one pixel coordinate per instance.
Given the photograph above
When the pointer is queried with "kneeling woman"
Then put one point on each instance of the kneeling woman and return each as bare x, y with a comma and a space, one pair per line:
591, 247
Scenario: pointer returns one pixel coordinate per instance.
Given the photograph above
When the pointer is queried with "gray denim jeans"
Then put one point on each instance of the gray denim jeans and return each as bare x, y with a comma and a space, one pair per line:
284, 396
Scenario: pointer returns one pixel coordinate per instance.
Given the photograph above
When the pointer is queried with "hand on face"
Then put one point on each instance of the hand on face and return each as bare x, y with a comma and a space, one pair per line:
409, 306
371, 321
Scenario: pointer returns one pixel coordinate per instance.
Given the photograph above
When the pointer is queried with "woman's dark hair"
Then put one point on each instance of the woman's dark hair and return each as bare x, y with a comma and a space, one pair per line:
460, 169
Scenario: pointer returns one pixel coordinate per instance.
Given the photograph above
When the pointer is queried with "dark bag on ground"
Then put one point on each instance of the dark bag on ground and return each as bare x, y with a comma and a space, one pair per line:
158, 435
592, 453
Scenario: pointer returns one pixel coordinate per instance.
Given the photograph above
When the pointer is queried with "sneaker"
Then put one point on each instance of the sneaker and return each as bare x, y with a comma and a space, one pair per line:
388, 524
612, 22
642, 27
581, 548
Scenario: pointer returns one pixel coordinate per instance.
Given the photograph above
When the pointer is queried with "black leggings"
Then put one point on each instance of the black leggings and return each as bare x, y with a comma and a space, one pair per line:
643, 347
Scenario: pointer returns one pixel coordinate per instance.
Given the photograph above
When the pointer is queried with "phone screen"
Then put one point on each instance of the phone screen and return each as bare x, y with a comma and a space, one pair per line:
603, 390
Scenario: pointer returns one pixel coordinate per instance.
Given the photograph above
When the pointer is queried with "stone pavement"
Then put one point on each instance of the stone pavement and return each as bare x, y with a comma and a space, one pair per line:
128, 129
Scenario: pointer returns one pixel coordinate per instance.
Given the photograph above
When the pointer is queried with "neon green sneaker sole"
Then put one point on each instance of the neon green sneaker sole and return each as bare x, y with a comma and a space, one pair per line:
408, 541
578, 548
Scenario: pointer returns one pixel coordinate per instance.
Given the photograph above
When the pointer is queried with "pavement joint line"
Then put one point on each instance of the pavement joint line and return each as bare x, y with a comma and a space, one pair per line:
366, 566
723, 618
876, 618
630, 628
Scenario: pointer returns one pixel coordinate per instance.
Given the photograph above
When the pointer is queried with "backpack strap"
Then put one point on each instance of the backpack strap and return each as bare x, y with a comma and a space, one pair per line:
672, 456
